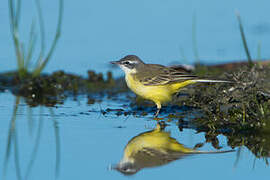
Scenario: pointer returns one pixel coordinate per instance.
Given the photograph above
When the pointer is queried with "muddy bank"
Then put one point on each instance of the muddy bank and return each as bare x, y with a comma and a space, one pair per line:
240, 106
50, 89
240, 110
243, 105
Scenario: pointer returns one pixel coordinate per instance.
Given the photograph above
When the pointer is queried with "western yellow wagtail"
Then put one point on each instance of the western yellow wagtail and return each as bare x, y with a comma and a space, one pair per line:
155, 82
154, 148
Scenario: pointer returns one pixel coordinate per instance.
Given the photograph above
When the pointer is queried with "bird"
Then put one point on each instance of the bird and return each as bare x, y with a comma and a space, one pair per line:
156, 82
154, 148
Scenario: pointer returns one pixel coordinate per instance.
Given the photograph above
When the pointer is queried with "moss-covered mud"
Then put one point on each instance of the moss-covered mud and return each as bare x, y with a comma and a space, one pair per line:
240, 106
51, 89
239, 110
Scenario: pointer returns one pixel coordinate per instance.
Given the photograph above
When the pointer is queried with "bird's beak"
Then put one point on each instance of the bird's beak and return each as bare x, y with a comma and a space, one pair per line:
113, 167
115, 62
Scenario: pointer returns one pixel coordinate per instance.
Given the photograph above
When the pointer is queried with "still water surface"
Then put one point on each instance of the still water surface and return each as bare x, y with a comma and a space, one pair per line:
73, 143
68, 141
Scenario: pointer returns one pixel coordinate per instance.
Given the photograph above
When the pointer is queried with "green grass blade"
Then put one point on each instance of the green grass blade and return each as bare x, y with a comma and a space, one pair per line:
14, 21
244, 39
31, 45
22, 54
42, 33
17, 13
38, 70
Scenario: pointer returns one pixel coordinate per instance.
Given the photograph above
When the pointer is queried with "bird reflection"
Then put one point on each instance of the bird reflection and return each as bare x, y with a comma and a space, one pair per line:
153, 148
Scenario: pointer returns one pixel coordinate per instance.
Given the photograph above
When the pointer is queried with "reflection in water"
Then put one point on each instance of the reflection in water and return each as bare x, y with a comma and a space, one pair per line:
153, 148
12, 142
258, 143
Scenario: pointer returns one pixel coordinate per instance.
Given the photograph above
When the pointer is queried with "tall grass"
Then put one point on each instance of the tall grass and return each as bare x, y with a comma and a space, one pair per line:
244, 39
25, 55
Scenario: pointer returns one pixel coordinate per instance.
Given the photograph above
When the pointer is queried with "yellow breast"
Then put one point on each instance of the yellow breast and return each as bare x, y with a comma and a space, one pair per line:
157, 140
159, 94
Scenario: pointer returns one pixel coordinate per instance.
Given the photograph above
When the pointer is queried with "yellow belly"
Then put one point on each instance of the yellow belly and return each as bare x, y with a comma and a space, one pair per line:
159, 94
159, 140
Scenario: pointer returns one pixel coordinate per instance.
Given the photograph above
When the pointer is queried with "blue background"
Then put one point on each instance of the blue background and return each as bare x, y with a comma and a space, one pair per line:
95, 32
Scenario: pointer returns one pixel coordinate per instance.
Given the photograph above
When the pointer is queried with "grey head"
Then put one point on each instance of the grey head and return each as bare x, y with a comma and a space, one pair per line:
127, 168
129, 63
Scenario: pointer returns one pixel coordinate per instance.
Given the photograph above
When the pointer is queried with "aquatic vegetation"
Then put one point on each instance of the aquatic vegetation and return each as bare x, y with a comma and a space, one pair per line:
25, 55
244, 39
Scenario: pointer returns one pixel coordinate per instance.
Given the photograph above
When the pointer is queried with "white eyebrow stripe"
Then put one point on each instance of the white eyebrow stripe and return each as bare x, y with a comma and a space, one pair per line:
132, 62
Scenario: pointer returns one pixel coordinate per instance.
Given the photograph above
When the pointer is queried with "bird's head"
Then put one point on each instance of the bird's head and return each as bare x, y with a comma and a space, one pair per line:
129, 63
127, 168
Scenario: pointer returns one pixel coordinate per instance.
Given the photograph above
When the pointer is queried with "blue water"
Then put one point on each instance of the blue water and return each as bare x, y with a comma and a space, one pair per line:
77, 144
89, 143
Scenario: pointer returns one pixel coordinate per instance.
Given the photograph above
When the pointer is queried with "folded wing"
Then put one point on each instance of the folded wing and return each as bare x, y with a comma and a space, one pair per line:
161, 75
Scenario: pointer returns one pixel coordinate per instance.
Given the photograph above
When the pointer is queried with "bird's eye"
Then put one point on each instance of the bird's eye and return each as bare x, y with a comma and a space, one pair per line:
125, 169
127, 62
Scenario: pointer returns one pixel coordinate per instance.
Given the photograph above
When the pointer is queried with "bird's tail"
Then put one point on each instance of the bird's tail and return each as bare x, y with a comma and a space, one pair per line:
179, 85
211, 152
211, 81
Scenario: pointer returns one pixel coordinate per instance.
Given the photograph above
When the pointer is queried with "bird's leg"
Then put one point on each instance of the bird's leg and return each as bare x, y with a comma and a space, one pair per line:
158, 110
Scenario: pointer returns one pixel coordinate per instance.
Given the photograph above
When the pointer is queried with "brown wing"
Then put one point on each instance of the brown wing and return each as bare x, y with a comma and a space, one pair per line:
149, 157
155, 74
